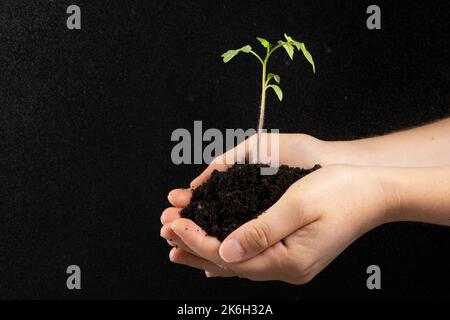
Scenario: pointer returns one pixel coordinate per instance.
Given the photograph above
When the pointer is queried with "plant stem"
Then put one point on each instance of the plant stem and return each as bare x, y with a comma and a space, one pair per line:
262, 109
256, 55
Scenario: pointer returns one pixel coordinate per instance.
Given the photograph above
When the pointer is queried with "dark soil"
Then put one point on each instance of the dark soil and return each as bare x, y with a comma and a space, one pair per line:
229, 199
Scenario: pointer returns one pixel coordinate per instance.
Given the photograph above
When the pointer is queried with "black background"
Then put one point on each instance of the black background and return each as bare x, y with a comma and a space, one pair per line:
86, 118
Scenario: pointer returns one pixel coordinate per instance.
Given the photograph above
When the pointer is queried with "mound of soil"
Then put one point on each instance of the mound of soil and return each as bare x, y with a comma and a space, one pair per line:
229, 199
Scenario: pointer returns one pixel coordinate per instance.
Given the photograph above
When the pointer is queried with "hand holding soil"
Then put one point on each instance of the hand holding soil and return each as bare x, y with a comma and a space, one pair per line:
403, 176
294, 239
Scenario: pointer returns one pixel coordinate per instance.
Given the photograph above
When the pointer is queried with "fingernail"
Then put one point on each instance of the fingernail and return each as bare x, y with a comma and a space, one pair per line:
172, 254
231, 250
161, 232
169, 196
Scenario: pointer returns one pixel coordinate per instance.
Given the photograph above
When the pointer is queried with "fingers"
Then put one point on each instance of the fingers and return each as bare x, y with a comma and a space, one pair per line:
209, 274
180, 256
180, 198
253, 237
169, 215
268, 265
173, 239
197, 240
271, 264
185, 255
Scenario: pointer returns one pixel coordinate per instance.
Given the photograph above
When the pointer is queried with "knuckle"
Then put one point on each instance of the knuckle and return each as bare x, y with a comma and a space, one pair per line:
197, 242
258, 235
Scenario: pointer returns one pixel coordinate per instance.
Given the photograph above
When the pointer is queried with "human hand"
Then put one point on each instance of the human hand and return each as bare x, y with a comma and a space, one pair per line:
312, 223
296, 150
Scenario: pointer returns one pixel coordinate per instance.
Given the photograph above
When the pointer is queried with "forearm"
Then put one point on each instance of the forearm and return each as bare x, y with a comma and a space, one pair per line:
424, 146
418, 194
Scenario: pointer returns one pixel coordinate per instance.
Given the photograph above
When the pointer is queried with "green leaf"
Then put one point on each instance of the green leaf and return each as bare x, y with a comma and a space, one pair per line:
274, 76
246, 49
277, 90
289, 39
264, 42
289, 49
301, 46
308, 56
296, 43
230, 54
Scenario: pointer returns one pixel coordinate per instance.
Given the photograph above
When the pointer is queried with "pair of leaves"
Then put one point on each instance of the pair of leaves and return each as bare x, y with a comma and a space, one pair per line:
230, 54
271, 76
277, 90
289, 45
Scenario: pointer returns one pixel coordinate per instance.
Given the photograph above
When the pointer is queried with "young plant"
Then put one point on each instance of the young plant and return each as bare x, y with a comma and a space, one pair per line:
268, 79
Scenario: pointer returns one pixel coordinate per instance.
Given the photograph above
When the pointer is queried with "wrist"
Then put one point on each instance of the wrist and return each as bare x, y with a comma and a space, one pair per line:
382, 198
418, 194
391, 182
340, 152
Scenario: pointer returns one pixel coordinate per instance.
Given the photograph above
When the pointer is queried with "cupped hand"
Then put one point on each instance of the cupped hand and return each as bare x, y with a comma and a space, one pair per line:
312, 223
295, 150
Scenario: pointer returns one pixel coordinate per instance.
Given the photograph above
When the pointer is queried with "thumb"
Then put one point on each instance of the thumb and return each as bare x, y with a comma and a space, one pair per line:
275, 224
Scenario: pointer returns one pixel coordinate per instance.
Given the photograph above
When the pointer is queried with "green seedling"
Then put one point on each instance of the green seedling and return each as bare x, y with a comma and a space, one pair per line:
270, 80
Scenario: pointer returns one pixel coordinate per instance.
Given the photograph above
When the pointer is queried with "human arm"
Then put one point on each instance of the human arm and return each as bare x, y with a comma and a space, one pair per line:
424, 146
316, 219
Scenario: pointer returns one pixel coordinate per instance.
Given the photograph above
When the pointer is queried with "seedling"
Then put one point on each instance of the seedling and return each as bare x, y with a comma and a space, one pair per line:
268, 79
